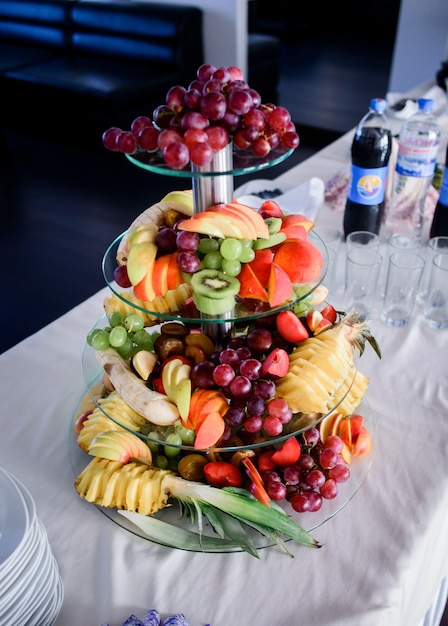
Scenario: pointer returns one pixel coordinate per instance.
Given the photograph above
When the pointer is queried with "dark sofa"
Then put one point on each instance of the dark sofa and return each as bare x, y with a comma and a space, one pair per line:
94, 61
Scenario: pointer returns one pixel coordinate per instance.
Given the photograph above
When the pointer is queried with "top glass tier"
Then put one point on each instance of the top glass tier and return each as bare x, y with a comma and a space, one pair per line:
244, 162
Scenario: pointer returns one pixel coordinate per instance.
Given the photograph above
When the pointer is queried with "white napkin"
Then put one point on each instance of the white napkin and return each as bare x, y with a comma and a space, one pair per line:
435, 93
305, 199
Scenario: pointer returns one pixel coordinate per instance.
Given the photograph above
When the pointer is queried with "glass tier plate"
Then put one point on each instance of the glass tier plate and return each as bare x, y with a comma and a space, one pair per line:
93, 377
244, 162
241, 312
359, 469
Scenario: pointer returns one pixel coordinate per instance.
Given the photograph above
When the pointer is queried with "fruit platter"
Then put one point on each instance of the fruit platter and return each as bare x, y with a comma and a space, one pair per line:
224, 407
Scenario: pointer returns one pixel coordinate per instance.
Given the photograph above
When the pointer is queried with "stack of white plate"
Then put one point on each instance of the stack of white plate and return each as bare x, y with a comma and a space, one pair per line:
31, 590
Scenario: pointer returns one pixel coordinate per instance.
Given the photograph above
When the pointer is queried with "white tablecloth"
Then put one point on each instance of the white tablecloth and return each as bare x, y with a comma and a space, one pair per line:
384, 556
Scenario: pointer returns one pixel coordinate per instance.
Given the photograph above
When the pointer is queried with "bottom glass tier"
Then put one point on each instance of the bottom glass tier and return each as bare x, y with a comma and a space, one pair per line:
171, 515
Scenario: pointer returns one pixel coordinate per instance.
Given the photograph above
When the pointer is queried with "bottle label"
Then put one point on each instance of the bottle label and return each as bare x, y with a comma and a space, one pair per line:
367, 186
418, 161
443, 197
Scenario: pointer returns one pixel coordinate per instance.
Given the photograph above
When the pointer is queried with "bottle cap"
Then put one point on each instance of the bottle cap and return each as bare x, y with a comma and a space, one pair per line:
425, 104
378, 104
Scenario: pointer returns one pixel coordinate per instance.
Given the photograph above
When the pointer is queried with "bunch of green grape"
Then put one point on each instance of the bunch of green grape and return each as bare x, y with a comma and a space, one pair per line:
226, 254
126, 334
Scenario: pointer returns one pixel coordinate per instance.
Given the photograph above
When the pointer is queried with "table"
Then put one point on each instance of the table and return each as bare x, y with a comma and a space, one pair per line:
384, 558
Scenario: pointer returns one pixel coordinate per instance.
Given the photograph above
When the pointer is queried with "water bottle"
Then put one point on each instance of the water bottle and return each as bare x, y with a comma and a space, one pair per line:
439, 226
370, 152
418, 144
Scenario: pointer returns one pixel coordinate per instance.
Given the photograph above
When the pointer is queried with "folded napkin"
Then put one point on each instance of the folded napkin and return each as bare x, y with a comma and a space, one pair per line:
305, 199
403, 108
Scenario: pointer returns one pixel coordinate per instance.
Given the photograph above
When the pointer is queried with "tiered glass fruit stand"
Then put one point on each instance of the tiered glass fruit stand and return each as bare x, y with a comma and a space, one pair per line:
214, 184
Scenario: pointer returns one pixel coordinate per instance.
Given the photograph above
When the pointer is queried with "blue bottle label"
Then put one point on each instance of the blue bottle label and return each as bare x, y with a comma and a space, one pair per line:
367, 186
418, 161
443, 197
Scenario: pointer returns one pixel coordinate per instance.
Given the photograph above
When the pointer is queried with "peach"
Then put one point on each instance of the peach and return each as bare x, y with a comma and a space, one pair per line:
251, 287
294, 231
296, 219
300, 259
261, 265
279, 286
144, 290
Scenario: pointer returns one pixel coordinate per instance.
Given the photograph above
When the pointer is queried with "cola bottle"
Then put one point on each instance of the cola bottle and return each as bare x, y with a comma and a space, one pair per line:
370, 153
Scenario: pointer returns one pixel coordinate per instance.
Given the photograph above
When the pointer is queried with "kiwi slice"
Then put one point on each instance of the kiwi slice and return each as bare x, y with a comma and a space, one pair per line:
214, 284
214, 306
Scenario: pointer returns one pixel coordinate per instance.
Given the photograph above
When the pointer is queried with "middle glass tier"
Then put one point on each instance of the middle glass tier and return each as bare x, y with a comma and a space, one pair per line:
245, 310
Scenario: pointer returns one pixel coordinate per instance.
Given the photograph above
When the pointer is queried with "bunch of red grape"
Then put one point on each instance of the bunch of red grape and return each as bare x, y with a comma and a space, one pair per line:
314, 477
199, 120
237, 370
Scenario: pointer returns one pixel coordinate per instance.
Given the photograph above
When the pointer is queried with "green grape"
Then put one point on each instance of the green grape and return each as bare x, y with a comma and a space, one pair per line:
100, 341
116, 318
127, 349
161, 461
207, 244
247, 243
92, 334
247, 255
171, 450
118, 336
232, 268
231, 248
152, 445
134, 322
186, 434
144, 340
212, 260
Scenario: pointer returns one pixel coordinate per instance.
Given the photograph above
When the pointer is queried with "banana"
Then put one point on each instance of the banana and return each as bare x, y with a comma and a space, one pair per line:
153, 406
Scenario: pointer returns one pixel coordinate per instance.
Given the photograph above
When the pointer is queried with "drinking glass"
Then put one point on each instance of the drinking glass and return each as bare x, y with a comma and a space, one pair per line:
361, 276
435, 310
436, 245
404, 273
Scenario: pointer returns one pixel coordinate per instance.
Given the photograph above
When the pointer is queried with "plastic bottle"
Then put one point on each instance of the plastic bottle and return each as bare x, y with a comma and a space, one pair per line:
418, 145
439, 226
370, 152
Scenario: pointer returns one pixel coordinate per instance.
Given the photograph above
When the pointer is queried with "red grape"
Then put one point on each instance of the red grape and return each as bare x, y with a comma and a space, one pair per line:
148, 138
139, 124
276, 490
329, 489
192, 98
110, 138
127, 142
168, 136
240, 101
253, 424
300, 503
166, 241
194, 135
175, 98
162, 116
205, 71
290, 140
201, 153
213, 105
223, 374
218, 137
187, 241
261, 147
259, 340
188, 262
202, 375
340, 473
194, 119
121, 276
176, 155
241, 387
272, 426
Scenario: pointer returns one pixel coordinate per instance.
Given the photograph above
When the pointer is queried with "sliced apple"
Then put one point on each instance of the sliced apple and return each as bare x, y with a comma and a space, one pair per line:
140, 261
183, 398
202, 226
122, 446
234, 213
260, 225
144, 233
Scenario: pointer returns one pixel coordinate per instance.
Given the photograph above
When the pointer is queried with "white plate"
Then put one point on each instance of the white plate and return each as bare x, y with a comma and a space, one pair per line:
14, 522
305, 199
